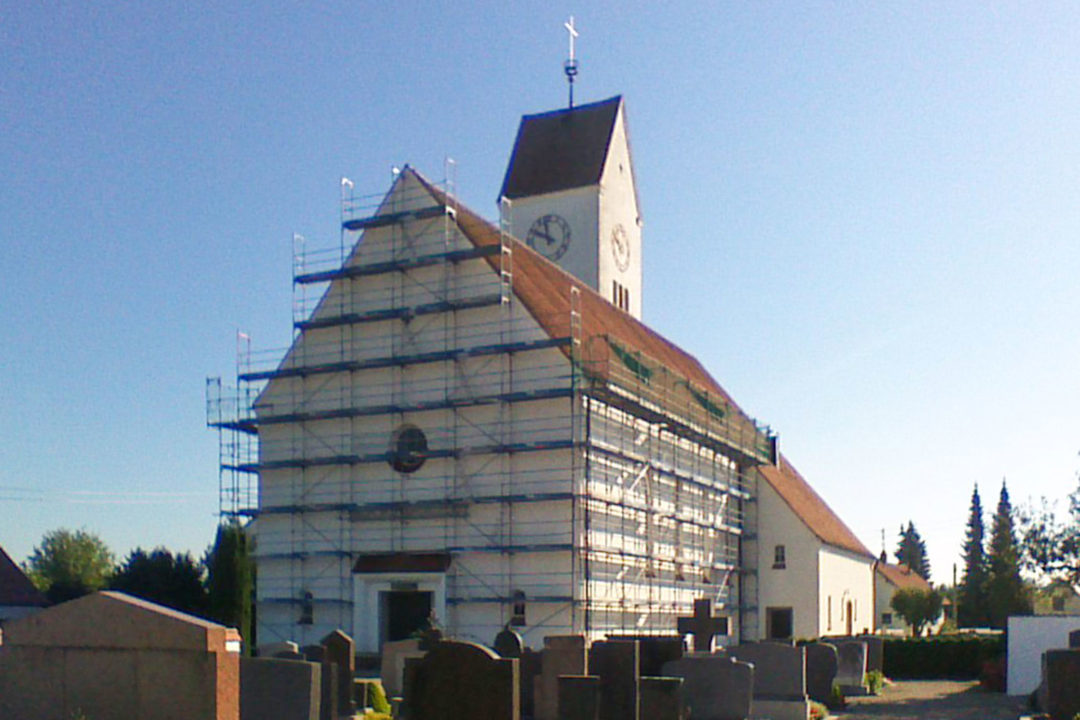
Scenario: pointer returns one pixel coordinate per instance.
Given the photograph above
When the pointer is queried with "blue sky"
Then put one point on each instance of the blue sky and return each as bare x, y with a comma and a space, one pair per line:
861, 217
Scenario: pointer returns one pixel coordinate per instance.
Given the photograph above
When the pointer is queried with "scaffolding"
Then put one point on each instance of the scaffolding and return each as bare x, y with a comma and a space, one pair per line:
569, 472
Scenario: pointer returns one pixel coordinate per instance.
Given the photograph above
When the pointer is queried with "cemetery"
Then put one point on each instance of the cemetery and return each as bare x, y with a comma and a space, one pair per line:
108, 655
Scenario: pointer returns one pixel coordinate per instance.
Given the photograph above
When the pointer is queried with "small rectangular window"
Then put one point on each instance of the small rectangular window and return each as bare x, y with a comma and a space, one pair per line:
1059, 603
779, 557
517, 618
828, 606
886, 618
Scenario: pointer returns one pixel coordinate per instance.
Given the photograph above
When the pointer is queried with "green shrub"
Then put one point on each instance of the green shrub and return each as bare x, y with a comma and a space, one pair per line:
377, 699
875, 680
837, 701
955, 657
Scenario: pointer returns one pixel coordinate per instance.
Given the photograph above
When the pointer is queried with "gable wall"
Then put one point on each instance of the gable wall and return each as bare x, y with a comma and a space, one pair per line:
795, 586
845, 576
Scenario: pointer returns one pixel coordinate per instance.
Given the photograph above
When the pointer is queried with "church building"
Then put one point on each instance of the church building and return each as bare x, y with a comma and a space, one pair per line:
473, 424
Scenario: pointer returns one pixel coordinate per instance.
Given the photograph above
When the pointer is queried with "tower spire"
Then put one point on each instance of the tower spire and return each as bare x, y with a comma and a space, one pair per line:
570, 66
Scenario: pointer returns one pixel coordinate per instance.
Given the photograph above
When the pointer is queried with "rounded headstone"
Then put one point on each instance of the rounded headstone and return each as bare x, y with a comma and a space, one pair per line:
509, 644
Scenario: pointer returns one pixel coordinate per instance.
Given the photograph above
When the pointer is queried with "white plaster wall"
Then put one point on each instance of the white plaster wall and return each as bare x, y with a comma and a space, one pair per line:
844, 576
618, 206
796, 586
1029, 637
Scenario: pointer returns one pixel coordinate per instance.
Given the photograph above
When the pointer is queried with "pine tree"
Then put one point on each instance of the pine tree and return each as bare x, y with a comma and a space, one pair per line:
911, 551
971, 610
1005, 591
231, 580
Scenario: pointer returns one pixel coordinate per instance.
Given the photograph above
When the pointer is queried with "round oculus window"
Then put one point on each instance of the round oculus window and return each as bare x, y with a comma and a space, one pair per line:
408, 449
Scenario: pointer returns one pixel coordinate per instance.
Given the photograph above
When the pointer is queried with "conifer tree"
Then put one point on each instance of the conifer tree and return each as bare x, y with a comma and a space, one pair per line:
971, 610
1005, 591
911, 551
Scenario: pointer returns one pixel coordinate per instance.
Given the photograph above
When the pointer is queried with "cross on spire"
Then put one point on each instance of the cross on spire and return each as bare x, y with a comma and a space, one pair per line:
703, 625
570, 66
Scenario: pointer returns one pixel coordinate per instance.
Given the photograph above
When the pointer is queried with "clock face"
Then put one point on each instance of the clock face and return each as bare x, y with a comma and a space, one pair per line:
620, 247
549, 236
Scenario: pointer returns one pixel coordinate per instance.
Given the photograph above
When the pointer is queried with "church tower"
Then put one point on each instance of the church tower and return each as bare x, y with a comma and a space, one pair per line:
570, 194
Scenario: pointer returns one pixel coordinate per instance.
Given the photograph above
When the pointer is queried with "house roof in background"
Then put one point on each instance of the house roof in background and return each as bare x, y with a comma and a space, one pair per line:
16, 590
810, 507
560, 150
902, 576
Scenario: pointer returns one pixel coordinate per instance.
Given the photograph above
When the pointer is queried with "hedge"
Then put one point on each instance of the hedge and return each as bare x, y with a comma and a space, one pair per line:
955, 657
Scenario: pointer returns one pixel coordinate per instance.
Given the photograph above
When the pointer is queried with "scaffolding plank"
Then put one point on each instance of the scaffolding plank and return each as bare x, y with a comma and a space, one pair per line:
401, 313
384, 219
379, 268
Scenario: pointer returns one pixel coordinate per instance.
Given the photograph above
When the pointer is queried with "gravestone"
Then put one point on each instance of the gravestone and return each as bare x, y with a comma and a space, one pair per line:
1074, 639
508, 644
579, 697
392, 670
655, 651
851, 668
287, 650
340, 653
822, 662
617, 664
1060, 691
279, 689
460, 679
116, 657
875, 653
703, 625
562, 655
660, 698
715, 687
779, 679
529, 665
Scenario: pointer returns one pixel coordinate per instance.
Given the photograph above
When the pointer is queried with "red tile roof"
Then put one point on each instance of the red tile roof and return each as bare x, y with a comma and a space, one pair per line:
545, 289
809, 507
16, 590
902, 576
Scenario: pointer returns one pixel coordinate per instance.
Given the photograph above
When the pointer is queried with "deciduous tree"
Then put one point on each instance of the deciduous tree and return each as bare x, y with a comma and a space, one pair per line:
69, 563
918, 607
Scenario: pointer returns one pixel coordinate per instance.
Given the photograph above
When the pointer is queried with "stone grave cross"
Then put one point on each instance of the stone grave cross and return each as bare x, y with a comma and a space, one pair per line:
703, 625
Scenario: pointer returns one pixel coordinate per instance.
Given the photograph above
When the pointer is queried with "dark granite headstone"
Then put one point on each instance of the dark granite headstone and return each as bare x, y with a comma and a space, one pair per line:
276, 689
655, 650
617, 664
339, 652
314, 653
821, 665
875, 652
779, 670
562, 655
661, 699
715, 687
1061, 683
529, 665
579, 697
508, 644
459, 679
703, 625
851, 668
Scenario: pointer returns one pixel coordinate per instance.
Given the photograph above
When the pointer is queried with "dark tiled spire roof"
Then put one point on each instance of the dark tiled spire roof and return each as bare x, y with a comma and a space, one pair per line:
561, 149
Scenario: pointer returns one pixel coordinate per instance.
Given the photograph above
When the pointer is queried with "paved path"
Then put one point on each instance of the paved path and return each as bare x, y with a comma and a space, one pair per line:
933, 700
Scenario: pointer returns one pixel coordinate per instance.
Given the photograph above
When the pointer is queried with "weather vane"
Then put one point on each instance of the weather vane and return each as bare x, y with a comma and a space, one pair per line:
570, 66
